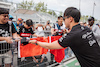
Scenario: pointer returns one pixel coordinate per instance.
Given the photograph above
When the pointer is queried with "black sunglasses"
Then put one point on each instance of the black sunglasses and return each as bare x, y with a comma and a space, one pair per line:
5, 15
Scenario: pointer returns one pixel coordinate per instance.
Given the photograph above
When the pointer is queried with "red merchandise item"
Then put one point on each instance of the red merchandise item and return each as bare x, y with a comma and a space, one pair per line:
59, 54
32, 49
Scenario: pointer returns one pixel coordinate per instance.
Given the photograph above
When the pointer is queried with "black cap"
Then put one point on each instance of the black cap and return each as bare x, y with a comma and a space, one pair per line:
4, 11
29, 22
91, 18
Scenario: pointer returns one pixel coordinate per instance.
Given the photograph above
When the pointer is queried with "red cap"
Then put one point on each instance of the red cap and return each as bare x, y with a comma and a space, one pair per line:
19, 19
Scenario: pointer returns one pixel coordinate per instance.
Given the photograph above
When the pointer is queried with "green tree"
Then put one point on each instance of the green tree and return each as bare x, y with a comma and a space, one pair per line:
41, 7
51, 12
60, 13
26, 4
84, 18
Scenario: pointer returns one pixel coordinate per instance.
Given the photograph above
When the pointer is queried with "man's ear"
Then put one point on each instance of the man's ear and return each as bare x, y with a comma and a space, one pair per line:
71, 19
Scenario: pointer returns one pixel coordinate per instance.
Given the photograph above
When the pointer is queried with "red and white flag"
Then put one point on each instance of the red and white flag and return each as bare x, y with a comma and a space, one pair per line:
32, 49
59, 54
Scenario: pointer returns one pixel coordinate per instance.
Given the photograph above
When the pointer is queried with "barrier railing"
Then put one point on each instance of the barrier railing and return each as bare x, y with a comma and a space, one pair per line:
25, 62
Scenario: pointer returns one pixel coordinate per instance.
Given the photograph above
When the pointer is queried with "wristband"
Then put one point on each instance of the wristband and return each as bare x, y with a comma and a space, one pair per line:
36, 42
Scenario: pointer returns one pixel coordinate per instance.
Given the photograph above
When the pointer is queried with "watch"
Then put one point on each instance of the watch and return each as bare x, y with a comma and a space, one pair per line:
36, 42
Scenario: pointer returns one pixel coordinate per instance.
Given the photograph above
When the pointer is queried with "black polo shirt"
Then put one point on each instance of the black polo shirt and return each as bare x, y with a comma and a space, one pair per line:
84, 45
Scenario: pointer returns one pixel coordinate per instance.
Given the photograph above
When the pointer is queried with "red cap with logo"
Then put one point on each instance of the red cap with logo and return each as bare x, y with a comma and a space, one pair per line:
19, 19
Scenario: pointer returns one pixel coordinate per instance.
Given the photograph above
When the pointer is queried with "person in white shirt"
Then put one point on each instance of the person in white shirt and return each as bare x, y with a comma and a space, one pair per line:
48, 28
40, 30
95, 29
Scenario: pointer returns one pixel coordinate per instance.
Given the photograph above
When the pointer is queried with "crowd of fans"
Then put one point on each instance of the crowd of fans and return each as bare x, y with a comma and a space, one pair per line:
21, 29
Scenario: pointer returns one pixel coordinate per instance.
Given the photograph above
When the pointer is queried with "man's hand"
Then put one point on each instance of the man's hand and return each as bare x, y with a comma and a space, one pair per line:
24, 41
18, 39
64, 31
68, 31
54, 33
90, 28
8, 39
39, 36
33, 41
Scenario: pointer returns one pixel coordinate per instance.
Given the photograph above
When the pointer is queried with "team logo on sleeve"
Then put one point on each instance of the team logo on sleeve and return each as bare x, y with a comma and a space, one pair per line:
64, 36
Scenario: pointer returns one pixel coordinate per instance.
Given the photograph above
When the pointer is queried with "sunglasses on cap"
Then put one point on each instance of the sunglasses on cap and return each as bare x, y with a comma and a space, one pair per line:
5, 15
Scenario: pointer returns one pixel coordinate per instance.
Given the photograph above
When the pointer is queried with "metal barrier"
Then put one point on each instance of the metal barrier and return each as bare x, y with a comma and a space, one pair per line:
28, 61
6, 53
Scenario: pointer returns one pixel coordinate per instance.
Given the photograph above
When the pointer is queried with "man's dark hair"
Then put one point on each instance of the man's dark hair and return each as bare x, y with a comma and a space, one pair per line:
73, 12
29, 22
4, 11
91, 18
60, 17
91, 21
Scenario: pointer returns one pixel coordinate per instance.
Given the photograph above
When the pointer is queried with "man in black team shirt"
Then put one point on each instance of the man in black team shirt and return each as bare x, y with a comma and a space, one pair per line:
80, 39
6, 30
26, 29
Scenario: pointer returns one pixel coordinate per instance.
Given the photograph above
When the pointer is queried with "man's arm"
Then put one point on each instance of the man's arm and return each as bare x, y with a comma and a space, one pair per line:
7, 39
2, 38
64, 41
53, 45
50, 26
45, 26
15, 35
35, 35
